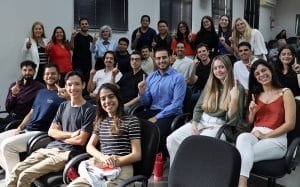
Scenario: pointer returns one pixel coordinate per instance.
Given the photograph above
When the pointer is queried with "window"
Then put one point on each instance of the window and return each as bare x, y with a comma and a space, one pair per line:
297, 25
251, 13
219, 8
102, 12
174, 11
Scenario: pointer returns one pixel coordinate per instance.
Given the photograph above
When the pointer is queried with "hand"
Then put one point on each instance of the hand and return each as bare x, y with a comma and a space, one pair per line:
17, 131
142, 85
109, 161
74, 134
153, 44
74, 33
15, 90
196, 61
49, 46
252, 106
296, 66
115, 71
56, 126
92, 72
173, 57
62, 92
259, 134
222, 39
195, 129
234, 92
95, 38
28, 43
153, 120
190, 37
174, 35
138, 34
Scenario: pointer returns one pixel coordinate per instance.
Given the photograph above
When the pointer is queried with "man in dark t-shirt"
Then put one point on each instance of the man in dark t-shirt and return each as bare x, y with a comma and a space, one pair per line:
71, 129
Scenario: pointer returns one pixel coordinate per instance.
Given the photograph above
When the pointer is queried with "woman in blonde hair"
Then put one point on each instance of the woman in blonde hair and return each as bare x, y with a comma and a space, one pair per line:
118, 136
243, 32
221, 102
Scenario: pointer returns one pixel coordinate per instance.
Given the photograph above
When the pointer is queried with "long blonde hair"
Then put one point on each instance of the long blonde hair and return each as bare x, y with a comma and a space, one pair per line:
215, 97
236, 36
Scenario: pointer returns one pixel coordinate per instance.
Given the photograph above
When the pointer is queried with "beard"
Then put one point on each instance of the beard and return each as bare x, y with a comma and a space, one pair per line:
28, 77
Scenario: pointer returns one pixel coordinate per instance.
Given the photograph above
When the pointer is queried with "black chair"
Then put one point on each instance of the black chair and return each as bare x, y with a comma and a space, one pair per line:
142, 169
205, 161
274, 169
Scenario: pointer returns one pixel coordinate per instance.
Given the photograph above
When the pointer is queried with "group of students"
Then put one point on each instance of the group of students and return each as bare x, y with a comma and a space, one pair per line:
115, 135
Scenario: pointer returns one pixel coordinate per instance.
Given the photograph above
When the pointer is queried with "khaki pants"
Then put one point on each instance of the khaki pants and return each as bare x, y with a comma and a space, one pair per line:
126, 172
39, 163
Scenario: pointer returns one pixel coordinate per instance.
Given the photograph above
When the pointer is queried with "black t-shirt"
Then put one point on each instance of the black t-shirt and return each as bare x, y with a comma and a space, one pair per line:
129, 85
82, 57
202, 72
123, 62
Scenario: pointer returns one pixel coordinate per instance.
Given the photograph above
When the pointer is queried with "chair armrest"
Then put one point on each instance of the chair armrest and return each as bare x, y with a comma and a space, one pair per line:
291, 154
137, 109
73, 162
180, 120
140, 178
38, 141
13, 125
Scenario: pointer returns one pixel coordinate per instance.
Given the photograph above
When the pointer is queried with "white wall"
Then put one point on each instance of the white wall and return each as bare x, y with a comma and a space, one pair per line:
16, 20
285, 16
264, 22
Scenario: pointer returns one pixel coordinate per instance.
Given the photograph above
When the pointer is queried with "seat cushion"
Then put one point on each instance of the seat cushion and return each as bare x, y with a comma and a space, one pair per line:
270, 168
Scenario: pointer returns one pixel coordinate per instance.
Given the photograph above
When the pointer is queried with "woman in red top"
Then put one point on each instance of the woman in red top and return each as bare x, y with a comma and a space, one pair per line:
59, 52
272, 112
184, 35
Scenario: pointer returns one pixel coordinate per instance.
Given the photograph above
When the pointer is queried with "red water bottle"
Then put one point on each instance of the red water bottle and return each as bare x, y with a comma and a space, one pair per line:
158, 167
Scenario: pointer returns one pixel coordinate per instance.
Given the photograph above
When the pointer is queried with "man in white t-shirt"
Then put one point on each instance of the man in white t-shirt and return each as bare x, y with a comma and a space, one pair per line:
241, 68
182, 63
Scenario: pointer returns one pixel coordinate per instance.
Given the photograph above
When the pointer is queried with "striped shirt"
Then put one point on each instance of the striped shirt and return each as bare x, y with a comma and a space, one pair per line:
43, 55
118, 144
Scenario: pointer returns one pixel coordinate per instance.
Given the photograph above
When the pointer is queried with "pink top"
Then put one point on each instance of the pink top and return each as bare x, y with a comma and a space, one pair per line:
270, 115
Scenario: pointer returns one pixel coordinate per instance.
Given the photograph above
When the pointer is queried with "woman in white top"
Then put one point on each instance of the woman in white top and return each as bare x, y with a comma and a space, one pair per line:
34, 48
243, 32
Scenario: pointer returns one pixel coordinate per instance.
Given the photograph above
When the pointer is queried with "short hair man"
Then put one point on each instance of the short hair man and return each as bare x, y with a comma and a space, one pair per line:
162, 93
46, 103
21, 94
128, 83
71, 129
241, 67
143, 35
123, 56
147, 59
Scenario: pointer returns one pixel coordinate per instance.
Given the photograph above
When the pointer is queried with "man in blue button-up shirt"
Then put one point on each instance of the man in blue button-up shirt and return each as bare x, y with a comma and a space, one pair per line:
162, 93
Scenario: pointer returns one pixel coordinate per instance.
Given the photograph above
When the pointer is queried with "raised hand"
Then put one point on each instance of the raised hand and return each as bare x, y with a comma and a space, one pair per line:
234, 92
62, 92
153, 44
138, 34
92, 72
142, 85
28, 43
95, 38
196, 61
115, 71
252, 105
190, 37
173, 57
222, 39
74, 33
15, 90
49, 46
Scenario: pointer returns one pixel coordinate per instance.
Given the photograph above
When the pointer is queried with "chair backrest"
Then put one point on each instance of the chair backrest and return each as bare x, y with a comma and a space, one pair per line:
150, 143
205, 161
296, 132
187, 102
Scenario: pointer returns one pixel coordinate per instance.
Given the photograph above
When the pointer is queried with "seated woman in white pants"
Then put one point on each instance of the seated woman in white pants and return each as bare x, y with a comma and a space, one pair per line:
221, 102
272, 111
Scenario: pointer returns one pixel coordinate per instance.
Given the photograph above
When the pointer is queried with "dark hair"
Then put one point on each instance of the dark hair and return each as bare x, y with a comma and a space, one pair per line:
202, 29
161, 49
101, 114
145, 16
28, 63
255, 87
179, 35
74, 73
83, 18
53, 38
136, 53
145, 47
162, 21
279, 65
50, 65
229, 29
124, 39
247, 44
202, 45
110, 52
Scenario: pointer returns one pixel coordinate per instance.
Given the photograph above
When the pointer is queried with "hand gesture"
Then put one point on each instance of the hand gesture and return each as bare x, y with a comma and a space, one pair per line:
28, 43
49, 46
234, 92
115, 71
92, 72
296, 66
74, 33
248, 65
173, 57
62, 92
15, 90
196, 61
222, 39
153, 44
138, 34
174, 35
252, 105
142, 85
95, 38
190, 37
195, 129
